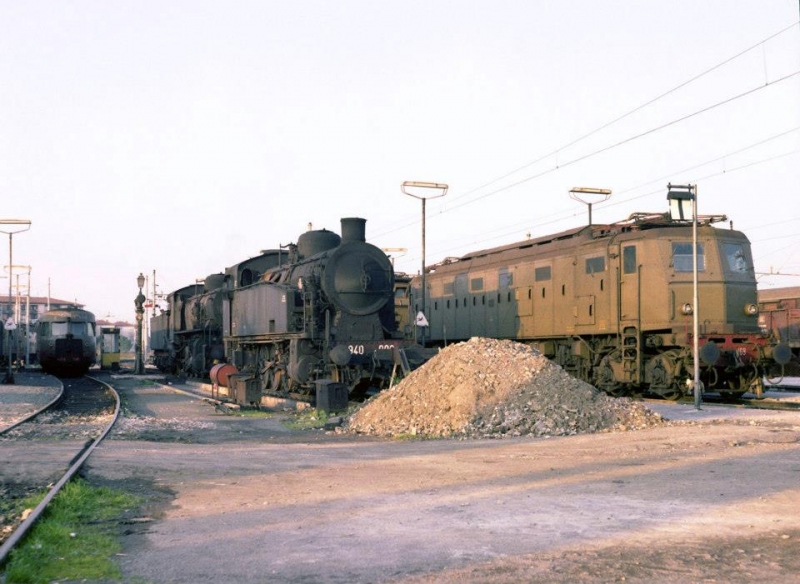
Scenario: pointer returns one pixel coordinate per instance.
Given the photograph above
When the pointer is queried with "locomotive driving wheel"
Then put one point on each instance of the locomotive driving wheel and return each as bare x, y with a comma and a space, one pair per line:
660, 372
606, 380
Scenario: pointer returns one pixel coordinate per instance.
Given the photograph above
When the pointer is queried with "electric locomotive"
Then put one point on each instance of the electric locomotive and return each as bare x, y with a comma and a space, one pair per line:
65, 341
318, 311
612, 304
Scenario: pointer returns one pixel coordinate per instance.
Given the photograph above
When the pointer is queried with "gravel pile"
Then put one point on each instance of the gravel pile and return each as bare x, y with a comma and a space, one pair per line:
487, 388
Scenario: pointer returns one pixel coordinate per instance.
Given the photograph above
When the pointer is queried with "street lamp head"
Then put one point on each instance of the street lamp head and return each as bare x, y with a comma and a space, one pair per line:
140, 280
580, 194
415, 184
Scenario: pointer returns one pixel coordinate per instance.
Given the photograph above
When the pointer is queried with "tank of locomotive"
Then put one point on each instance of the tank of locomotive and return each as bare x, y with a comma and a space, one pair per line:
331, 306
186, 338
198, 344
164, 326
66, 341
250, 270
612, 303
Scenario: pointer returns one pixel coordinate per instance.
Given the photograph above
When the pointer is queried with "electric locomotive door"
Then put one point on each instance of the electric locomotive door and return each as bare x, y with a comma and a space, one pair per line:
629, 290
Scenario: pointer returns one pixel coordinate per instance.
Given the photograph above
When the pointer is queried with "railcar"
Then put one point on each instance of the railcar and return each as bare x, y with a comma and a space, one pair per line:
613, 304
317, 312
66, 341
779, 314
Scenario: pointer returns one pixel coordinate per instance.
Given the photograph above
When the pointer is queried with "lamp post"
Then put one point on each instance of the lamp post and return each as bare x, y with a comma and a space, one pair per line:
21, 270
683, 207
138, 368
410, 184
11, 226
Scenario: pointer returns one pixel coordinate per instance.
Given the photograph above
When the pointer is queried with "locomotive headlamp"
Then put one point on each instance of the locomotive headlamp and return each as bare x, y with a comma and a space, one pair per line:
687, 309
751, 309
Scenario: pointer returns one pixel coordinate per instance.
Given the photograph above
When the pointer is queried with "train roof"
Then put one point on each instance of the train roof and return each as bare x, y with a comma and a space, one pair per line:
772, 294
635, 222
59, 314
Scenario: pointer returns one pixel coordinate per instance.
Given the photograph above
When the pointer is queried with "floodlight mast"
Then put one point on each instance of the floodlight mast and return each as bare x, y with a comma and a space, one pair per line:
411, 184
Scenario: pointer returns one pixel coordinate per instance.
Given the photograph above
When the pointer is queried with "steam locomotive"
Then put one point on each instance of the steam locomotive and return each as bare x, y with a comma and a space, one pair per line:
65, 341
613, 304
289, 320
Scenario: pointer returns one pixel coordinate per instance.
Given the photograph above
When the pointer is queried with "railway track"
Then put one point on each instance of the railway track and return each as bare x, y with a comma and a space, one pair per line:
748, 403
61, 435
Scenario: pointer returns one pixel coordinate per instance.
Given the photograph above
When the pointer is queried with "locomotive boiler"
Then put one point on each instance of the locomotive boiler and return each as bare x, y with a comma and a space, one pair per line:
612, 304
320, 310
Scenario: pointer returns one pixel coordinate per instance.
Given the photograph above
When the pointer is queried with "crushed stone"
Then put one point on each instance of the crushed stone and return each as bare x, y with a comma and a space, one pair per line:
490, 388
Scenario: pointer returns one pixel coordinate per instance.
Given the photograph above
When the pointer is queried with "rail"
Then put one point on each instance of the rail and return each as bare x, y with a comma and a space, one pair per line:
32, 415
22, 529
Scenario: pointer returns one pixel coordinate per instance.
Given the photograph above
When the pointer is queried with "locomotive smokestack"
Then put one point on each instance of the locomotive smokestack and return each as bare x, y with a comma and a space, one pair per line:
353, 229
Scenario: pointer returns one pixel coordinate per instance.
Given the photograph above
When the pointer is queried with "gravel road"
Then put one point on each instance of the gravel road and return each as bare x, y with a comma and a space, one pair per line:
239, 499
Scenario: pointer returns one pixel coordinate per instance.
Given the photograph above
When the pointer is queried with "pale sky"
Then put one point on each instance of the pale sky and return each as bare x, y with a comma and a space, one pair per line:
186, 136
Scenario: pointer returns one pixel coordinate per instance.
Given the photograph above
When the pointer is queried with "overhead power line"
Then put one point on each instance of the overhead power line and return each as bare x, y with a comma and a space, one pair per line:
624, 141
630, 112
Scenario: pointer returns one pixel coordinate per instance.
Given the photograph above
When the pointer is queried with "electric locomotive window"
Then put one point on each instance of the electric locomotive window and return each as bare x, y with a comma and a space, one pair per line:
734, 254
542, 274
682, 257
628, 260
476, 284
448, 288
594, 265
505, 278
59, 329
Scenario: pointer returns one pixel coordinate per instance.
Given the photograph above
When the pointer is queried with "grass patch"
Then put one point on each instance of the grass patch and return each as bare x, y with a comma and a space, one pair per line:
253, 413
308, 419
75, 539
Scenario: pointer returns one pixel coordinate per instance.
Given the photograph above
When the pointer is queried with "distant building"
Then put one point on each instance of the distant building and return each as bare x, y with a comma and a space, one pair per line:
38, 305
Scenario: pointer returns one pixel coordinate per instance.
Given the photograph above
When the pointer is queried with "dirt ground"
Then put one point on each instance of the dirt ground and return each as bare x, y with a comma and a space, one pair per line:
236, 499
